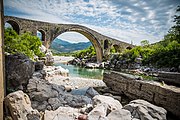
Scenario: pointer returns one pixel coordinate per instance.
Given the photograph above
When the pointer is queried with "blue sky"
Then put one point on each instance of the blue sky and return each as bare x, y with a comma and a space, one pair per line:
125, 20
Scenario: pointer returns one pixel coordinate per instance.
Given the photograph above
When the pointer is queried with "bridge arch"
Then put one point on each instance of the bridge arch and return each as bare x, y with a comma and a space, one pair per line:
43, 34
14, 25
129, 47
115, 47
88, 35
106, 44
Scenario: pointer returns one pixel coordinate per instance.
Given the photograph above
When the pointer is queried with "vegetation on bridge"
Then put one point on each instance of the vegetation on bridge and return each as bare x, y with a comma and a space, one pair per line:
24, 43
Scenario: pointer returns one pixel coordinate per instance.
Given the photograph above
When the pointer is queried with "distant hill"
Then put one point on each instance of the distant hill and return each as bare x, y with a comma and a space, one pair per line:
64, 46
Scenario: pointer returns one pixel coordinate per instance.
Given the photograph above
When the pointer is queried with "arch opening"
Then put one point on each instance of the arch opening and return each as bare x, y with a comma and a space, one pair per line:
106, 44
12, 24
90, 38
129, 48
41, 35
114, 48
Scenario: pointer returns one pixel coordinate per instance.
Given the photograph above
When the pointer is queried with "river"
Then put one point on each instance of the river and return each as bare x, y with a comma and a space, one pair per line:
75, 71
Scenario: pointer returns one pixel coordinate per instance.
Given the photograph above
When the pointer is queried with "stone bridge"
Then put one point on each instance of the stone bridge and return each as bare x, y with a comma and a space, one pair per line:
50, 31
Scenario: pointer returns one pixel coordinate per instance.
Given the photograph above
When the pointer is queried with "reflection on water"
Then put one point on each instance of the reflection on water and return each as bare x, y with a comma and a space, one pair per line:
75, 71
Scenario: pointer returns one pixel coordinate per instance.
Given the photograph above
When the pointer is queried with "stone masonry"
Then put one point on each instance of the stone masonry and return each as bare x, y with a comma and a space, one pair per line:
50, 31
165, 96
170, 77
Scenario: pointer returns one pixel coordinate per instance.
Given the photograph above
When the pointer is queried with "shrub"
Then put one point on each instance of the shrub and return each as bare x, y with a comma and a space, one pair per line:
25, 43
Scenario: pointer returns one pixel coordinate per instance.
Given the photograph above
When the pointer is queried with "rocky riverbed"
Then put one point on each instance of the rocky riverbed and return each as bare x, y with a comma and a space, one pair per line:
44, 95
61, 76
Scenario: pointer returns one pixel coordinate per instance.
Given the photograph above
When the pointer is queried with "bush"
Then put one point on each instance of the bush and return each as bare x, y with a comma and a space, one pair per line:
86, 53
165, 53
25, 43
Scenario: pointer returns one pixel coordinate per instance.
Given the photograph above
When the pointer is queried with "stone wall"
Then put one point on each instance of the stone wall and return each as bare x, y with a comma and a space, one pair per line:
162, 95
170, 77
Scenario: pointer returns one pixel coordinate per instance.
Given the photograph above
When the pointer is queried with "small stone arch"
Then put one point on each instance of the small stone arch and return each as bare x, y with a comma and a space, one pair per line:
129, 47
88, 35
116, 47
14, 25
43, 35
106, 44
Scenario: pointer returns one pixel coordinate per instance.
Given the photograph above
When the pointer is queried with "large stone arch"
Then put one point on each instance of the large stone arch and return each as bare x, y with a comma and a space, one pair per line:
88, 35
52, 30
14, 25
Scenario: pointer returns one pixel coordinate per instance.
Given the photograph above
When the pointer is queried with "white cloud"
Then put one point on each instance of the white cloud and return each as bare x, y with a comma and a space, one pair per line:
125, 20
73, 37
126, 35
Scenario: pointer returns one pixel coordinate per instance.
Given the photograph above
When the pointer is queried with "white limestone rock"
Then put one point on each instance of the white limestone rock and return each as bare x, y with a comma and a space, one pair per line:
62, 113
19, 106
99, 112
144, 110
120, 114
111, 102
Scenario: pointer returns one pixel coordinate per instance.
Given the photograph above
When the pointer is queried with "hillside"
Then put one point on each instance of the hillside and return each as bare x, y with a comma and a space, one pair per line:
64, 46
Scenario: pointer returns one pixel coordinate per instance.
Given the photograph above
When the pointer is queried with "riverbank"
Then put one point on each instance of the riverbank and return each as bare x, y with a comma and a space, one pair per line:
62, 59
42, 100
76, 82
71, 81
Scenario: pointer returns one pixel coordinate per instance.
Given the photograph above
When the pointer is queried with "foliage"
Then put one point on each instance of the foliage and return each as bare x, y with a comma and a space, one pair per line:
113, 50
144, 43
25, 43
86, 53
165, 53
62, 53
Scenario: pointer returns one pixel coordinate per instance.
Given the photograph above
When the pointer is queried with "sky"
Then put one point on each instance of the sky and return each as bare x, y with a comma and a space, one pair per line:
125, 20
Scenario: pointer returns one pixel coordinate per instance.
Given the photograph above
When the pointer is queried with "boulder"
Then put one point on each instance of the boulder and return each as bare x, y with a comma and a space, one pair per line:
86, 109
68, 88
39, 65
179, 68
49, 58
19, 105
99, 112
54, 103
120, 114
19, 69
92, 65
111, 102
82, 117
41, 106
40, 74
90, 92
45, 95
43, 49
40, 90
62, 113
56, 70
77, 101
144, 110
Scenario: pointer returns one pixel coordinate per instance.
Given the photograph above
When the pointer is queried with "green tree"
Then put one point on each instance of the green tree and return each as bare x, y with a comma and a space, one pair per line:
88, 53
144, 43
113, 50
25, 43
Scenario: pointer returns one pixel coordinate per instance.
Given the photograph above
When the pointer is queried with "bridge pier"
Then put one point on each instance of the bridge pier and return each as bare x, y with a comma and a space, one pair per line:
2, 87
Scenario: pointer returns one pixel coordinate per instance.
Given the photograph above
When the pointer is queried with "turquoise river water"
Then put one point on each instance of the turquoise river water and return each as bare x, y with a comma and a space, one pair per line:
75, 71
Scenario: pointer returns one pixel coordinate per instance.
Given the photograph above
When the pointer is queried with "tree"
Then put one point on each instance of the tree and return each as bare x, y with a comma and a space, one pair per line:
25, 43
144, 43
